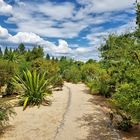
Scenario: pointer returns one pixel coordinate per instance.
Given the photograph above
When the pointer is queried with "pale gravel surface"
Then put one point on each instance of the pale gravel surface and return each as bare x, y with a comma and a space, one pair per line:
70, 117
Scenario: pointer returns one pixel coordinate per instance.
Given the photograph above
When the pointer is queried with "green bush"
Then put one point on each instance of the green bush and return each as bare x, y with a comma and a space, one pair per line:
57, 81
50, 67
99, 82
88, 71
73, 74
7, 71
127, 99
34, 85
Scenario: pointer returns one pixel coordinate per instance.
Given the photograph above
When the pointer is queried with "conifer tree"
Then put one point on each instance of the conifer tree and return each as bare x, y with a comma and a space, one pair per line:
6, 52
21, 48
137, 32
1, 54
48, 57
138, 14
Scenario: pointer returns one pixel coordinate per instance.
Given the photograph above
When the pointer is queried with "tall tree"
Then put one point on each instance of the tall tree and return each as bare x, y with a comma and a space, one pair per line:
48, 57
137, 32
37, 52
1, 54
6, 52
138, 14
21, 48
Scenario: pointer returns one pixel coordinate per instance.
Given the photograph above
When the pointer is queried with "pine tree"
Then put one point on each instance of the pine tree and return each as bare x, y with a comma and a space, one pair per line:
53, 58
1, 54
137, 33
10, 50
138, 14
56, 59
21, 48
63, 58
48, 57
6, 52
37, 52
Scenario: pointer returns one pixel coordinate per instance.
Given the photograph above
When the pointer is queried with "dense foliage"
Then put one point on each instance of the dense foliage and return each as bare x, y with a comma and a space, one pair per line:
121, 60
116, 76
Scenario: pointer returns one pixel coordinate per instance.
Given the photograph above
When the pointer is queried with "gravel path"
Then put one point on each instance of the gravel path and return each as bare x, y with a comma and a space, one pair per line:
70, 117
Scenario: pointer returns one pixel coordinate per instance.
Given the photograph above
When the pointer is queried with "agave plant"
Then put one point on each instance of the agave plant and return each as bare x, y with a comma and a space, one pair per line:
34, 85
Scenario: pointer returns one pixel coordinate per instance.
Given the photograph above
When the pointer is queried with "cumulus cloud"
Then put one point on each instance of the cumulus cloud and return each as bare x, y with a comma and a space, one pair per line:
49, 47
63, 47
4, 33
5, 8
25, 37
32, 38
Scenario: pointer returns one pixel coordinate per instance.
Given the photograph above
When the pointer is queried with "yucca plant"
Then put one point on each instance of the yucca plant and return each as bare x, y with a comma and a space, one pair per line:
34, 85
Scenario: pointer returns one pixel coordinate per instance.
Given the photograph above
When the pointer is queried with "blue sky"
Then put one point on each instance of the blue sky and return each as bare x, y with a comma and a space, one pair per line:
74, 28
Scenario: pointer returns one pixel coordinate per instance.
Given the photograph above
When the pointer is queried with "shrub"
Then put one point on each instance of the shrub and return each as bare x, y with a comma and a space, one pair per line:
99, 82
73, 74
34, 85
6, 111
50, 67
7, 71
88, 71
57, 81
127, 99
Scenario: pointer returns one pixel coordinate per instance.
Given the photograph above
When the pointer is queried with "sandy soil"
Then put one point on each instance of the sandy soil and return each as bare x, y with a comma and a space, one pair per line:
72, 116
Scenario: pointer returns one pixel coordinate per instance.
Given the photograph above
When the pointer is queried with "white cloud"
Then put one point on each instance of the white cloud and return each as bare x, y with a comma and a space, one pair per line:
63, 47
44, 19
25, 37
49, 19
4, 33
49, 47
64, 20
99, 6
85, 54
5, 8
55, 11
32, 38
81, 50
98, 34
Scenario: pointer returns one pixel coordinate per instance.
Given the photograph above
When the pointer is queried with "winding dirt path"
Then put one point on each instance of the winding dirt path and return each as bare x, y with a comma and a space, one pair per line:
72, 116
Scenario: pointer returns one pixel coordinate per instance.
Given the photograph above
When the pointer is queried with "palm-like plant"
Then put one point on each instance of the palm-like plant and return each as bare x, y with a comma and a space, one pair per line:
12, 57
34, 85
